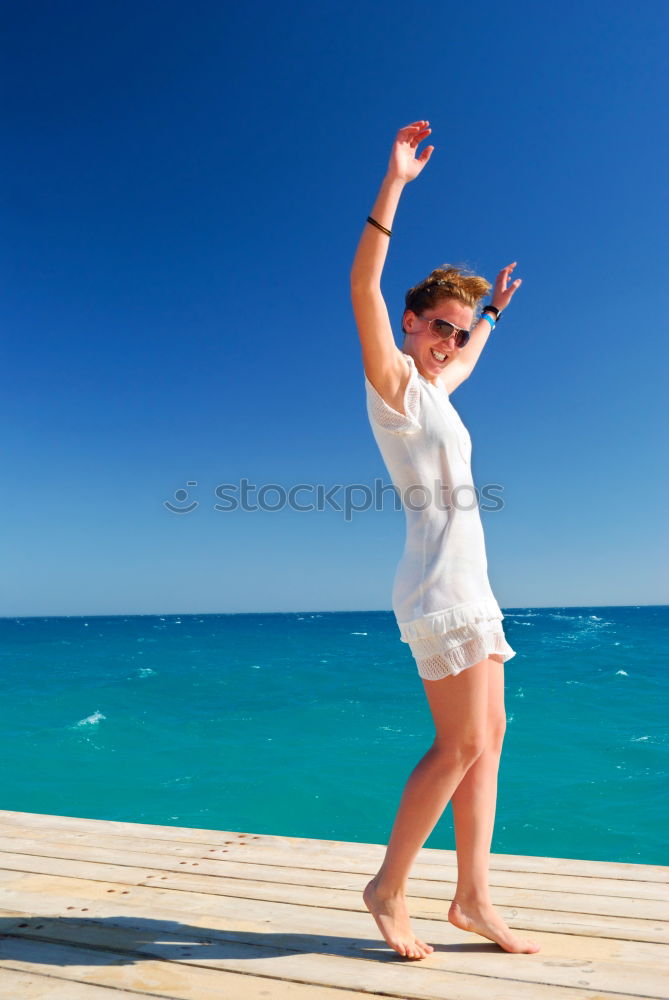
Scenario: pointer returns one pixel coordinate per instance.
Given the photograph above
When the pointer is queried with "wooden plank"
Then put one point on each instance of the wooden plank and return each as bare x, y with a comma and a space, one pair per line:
334, 849
132, 952
31, 986
582, 925
78, 973
549, 904
427, 879
563, 961
119, 907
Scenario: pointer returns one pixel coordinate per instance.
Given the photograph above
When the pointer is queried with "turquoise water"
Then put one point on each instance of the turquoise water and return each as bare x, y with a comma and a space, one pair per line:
308, 725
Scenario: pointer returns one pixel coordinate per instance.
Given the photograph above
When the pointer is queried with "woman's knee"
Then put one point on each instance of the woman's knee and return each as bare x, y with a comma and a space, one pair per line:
496, 731
461, 750
472, 738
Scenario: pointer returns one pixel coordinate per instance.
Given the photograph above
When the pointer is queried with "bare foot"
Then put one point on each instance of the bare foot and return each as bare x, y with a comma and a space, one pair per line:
392, 919
486, 921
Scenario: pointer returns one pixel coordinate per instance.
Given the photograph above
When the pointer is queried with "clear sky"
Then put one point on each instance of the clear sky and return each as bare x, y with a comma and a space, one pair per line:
184, 189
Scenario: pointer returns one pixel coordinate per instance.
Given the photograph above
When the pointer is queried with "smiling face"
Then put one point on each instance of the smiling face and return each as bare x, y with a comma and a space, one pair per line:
421, 343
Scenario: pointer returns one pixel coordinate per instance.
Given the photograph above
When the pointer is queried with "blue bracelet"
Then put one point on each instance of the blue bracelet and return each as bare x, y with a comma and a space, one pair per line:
490, 320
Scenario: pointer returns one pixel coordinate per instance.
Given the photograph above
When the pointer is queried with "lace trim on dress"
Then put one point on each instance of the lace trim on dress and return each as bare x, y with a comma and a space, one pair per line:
447, 621
392, 420
477, 642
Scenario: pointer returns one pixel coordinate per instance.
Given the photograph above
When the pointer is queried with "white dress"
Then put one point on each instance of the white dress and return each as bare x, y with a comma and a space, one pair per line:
442, 599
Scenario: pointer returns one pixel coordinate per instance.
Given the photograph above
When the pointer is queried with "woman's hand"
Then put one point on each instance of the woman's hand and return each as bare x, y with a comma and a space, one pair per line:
403, 164
502, 295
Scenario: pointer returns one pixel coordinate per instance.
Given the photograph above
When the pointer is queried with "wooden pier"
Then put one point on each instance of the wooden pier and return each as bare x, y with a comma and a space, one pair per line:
99, 910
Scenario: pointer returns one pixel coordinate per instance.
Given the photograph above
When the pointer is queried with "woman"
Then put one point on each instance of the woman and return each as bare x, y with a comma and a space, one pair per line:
442, 600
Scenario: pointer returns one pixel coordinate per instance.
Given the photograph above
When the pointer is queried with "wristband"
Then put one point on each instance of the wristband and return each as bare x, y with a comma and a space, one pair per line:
493, 309
490, 320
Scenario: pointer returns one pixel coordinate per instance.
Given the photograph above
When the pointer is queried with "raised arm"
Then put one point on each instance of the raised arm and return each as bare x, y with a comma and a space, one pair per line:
382, 360
501, 296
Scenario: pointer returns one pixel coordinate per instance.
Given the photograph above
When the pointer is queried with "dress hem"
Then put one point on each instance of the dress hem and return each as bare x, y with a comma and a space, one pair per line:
460, 616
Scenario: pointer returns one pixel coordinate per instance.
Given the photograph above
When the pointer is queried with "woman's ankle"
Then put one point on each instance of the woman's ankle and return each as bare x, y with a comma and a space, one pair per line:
387, 888
472, 897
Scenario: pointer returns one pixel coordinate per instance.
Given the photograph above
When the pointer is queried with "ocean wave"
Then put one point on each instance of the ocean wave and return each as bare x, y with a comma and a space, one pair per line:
91, 720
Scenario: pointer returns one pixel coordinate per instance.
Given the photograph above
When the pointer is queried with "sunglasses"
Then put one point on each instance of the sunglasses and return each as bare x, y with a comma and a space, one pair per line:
442, 328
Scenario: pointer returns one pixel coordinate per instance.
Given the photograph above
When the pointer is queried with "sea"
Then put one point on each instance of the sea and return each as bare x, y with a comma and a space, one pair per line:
308, 724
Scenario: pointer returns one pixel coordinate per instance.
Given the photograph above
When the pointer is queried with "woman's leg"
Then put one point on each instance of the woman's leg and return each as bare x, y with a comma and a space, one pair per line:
474, 802
459, 706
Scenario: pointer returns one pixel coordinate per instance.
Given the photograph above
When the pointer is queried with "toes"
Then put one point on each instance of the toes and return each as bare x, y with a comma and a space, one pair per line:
416, 950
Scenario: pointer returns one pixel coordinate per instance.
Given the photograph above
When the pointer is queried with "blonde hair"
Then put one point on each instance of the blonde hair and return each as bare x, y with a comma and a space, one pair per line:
452, 281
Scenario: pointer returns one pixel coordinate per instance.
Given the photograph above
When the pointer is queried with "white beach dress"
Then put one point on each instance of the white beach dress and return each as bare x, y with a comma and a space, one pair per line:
442, 599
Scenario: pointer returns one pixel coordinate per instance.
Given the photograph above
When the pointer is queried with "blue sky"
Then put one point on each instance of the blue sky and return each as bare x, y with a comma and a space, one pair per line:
184, 190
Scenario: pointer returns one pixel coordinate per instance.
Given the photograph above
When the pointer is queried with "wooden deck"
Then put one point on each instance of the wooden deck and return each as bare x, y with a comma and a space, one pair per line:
97, 910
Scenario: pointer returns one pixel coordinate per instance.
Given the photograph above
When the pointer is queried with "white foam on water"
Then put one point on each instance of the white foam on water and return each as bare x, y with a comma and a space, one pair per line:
92, 720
